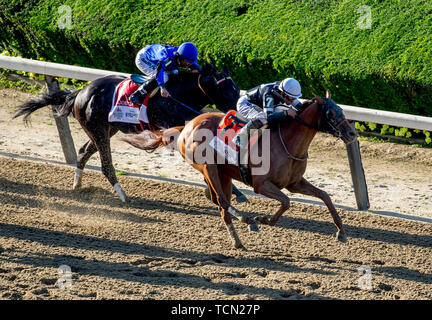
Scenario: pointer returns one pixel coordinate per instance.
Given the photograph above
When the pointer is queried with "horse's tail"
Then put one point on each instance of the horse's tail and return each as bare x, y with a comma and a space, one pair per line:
64, 100
150, 141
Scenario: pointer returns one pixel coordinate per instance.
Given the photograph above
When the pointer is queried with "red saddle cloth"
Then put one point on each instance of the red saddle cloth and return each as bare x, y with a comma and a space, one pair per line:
122, 93
222, 141
124, 110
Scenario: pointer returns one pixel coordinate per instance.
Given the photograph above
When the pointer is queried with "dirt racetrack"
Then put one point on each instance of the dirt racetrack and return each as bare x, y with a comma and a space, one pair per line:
169, 242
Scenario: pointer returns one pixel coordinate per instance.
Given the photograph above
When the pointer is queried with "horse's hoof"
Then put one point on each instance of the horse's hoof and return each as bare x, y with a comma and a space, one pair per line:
262, 219
241, 199
341, 237
253, 227
120, 192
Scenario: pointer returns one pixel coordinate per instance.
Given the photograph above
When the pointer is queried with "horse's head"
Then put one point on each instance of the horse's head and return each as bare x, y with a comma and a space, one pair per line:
333, 120
219, 87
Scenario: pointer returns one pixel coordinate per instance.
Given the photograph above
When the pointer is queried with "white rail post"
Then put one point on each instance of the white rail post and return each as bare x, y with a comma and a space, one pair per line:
358, 176
62, 125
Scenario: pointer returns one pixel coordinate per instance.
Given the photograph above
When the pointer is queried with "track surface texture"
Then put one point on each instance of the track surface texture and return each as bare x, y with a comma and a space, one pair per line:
169, 242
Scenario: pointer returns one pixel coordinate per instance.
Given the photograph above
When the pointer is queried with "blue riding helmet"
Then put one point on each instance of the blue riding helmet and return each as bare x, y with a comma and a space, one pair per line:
188, 51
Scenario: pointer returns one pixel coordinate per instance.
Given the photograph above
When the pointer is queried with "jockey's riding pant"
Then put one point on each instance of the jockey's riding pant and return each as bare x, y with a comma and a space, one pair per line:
250, 111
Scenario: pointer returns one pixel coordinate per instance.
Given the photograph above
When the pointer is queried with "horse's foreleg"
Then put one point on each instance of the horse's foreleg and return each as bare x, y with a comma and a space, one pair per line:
222, 188
84, 154
109, 171
305, 187
268, 189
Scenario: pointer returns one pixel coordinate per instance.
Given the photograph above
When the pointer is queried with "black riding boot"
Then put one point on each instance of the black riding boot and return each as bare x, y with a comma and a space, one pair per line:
241, 138
139, 95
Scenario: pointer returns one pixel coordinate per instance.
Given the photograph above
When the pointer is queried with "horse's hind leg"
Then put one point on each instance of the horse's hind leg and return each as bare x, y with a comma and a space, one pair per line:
84, 154
226, 183
305, 187
222, 190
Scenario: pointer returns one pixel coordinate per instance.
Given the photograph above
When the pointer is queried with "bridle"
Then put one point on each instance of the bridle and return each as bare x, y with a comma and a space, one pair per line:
218, 82
204, 92
222, 80
333, 123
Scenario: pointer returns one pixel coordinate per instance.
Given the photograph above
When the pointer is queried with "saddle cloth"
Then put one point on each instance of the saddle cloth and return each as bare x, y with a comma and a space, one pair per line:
222, 141
124, 110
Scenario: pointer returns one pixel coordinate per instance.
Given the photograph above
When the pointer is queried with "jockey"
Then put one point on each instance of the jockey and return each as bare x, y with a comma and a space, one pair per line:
157, 61
257, 106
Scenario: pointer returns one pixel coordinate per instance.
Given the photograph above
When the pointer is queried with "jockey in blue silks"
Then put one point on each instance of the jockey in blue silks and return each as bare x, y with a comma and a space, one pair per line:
158, 61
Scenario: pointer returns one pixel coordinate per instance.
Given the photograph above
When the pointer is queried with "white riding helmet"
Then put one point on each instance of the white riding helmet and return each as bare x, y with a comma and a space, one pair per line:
291, 87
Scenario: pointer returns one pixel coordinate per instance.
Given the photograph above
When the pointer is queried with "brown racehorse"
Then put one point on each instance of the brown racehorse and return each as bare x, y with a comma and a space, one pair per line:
288, 155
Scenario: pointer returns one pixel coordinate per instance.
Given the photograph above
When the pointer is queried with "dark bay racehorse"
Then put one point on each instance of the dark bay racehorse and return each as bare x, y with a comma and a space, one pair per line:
289, 142
190, 92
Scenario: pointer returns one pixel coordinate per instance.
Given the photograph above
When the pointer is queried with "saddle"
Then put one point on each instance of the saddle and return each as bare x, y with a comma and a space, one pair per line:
138, 79
223, 145
124, 110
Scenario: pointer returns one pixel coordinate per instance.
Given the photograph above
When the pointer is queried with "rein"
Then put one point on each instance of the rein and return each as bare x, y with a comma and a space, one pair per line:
182, 104
187, 107
286, 149
203, 91
302, 122
218, 82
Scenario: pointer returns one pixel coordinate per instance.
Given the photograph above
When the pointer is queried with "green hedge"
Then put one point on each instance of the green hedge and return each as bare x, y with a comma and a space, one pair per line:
388, 66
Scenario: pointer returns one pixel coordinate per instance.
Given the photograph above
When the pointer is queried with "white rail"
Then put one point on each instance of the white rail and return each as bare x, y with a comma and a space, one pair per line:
55, 69
90, 74
387, 117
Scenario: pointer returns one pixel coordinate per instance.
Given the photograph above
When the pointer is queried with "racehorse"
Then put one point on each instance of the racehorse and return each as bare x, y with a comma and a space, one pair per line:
289, 141
190, 92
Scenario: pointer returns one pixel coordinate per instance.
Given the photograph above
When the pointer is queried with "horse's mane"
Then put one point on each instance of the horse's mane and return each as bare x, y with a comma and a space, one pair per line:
305, 105
208, 69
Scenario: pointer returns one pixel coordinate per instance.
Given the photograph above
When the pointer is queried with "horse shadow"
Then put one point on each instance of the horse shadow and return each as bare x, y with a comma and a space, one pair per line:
24, 196
137, 270
355, 232
102, 197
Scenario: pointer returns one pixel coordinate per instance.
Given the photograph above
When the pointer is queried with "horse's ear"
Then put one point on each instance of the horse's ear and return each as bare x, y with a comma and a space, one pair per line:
317, 99
328, 94
207, 69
